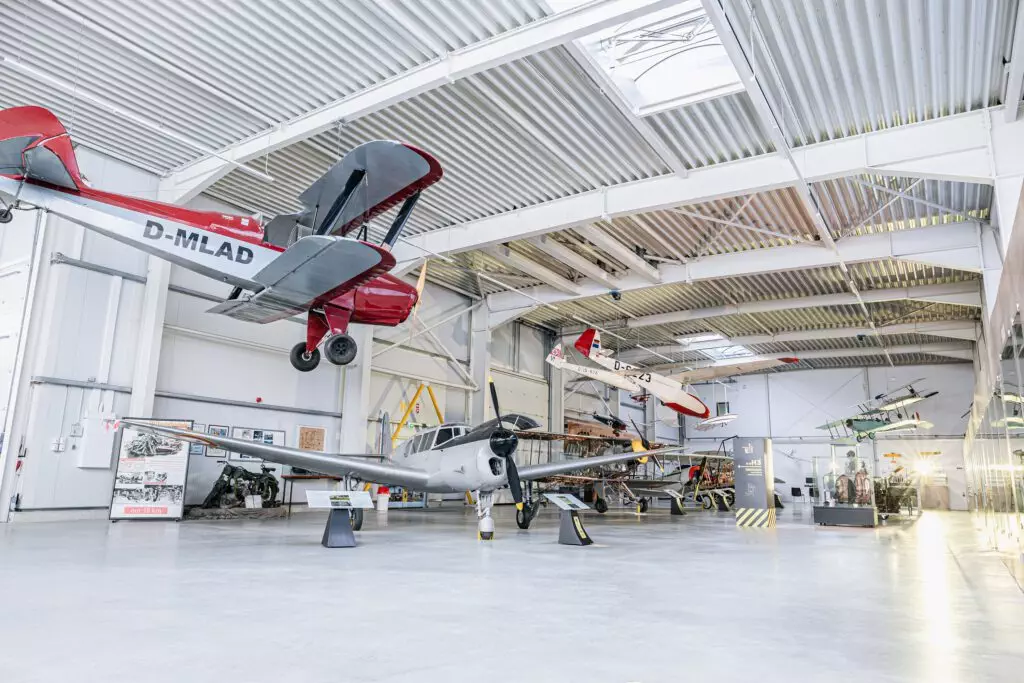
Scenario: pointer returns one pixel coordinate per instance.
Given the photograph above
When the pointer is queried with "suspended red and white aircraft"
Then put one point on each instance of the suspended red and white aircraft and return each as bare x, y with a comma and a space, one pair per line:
296, 263
669, 390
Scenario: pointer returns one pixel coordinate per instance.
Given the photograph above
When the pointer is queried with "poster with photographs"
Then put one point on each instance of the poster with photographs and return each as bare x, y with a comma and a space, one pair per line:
217, 430
269, 437
149, 481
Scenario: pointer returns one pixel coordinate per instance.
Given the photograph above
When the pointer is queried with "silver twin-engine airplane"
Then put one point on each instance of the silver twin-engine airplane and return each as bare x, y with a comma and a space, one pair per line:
451, 458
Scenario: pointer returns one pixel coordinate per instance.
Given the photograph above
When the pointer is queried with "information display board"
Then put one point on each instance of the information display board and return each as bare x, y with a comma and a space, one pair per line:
149, 479
565, 501
343, 500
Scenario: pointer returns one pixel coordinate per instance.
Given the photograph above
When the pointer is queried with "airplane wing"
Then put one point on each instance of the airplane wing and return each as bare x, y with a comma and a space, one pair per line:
531, 472
314, 269
833, 424
716, 371
328, 463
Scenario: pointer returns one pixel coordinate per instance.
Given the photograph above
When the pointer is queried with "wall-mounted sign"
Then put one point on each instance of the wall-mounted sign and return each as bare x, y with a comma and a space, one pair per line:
149, 481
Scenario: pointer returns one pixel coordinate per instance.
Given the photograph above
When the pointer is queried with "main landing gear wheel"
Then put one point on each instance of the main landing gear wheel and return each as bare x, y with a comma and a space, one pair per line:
6, 215
601, 505
355, 519
642, 505
523, 518
340, 349
302, 361
706, 502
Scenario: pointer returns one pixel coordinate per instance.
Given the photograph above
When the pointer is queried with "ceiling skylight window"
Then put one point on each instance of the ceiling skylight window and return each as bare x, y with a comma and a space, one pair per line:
727, 352
662, 60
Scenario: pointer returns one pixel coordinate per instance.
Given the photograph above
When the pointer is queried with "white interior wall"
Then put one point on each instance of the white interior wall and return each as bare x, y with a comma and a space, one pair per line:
789, 406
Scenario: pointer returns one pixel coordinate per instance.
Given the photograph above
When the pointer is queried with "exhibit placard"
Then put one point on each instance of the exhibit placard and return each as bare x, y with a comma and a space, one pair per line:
149, 479
566, 501
339, 500
755, 482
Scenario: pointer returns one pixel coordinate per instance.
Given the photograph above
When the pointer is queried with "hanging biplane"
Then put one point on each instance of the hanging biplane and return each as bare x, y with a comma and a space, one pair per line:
296, 263
884, 414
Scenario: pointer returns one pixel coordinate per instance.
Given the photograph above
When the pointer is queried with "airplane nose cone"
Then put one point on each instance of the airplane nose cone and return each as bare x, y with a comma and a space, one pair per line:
503, 442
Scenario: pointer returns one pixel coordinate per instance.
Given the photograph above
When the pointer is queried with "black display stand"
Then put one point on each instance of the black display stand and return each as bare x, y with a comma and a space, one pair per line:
338, 531
861, 515
676, 506
571, 531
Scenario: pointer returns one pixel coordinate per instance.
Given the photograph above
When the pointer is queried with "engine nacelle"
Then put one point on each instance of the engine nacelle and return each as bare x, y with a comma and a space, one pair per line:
385, 300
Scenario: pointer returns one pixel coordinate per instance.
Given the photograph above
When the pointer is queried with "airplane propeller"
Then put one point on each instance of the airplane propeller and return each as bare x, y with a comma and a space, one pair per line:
503, 444
647, 445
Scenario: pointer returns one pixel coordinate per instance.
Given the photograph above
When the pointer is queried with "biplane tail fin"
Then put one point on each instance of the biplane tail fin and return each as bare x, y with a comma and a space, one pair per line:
35, 145
557, 356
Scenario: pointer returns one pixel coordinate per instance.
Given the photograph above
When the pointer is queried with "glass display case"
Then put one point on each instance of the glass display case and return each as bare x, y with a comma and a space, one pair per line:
844, 486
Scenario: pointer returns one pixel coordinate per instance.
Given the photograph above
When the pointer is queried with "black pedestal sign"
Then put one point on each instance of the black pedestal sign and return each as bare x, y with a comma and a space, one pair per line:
755, 482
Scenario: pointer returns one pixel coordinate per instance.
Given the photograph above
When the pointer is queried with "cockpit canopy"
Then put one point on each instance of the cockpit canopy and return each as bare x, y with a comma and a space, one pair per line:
454, 434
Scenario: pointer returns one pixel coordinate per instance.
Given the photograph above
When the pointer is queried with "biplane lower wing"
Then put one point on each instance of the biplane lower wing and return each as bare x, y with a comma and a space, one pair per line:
313, 270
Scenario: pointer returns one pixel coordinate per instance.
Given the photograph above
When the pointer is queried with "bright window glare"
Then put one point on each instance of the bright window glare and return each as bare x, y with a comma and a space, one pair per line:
662, 60
697, 338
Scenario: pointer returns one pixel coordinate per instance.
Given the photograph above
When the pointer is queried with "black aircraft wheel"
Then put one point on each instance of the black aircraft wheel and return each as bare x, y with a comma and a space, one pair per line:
302, 361
6, 215
340, 349
642, 505
355, 519
601, 505
523, 518
706, 502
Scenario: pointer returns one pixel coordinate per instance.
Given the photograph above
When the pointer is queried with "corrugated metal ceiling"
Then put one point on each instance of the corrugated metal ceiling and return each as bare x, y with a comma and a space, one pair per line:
844, 67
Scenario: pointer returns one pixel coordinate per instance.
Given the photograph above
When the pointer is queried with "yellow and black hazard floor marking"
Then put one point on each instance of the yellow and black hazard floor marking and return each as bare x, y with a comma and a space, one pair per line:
755, 518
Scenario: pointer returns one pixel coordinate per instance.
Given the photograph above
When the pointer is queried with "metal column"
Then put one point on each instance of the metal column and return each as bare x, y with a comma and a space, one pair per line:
480, 364
150, 339
355, 399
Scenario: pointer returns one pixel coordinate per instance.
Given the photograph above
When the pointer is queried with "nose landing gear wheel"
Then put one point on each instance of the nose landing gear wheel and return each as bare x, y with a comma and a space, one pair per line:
340, 349
302, 361
355, 519
601, 505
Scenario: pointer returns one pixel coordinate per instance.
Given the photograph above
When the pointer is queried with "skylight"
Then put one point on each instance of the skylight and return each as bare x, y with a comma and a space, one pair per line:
727, 352
699, 338
662, 60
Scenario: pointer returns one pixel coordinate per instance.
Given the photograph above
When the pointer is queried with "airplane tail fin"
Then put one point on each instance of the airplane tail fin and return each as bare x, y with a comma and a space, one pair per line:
557, 356
588, 342
34, 144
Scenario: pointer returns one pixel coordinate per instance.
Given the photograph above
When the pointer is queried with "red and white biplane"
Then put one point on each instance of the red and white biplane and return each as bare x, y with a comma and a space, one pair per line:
297, 263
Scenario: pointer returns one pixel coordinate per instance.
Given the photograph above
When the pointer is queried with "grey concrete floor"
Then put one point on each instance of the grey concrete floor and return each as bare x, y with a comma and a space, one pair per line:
657, 599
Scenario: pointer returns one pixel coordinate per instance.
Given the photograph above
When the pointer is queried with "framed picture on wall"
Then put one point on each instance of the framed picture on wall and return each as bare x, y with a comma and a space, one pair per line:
217, 430
270, 437
197, 449
312, 438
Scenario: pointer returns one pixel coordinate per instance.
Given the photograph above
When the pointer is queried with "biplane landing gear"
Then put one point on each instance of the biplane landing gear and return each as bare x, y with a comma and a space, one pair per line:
601, 505
302, 361
340, 349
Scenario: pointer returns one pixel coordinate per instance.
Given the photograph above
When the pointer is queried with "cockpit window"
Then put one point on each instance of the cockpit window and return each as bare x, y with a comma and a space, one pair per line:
443, 436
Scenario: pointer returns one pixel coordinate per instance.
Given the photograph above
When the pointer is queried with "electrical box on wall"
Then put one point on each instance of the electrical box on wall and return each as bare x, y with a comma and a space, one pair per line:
97, 441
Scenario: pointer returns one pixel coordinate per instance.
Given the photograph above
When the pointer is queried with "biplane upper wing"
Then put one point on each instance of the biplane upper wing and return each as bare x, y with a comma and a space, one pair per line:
313, 270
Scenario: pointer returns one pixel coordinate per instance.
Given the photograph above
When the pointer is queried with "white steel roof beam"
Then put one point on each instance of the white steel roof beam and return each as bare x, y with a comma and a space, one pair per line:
950, 148
958, 350
534, 269
506, 47
961, 293
944, 244
622, 253
566, 255
965, 330
1015, 75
